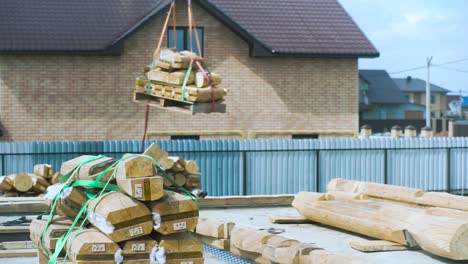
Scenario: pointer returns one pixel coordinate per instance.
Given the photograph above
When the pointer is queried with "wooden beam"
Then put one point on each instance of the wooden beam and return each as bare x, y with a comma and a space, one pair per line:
16, 253
289, 220
13, 205
376, 246
442, 236
247, 201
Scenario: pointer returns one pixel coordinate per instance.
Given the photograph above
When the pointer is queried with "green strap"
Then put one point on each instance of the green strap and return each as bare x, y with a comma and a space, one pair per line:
66, 178
186, 78
105, 188
148, 84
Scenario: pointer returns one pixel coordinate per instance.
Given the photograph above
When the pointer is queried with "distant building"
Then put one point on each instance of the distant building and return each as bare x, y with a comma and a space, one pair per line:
382, 104
415, 90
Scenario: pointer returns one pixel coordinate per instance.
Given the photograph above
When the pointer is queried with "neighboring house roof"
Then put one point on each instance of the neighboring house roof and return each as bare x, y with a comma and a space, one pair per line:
465, 102
382, 89
414, 85
273, 27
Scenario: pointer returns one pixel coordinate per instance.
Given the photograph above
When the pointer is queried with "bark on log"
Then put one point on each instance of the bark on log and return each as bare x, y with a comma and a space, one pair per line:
202, 82
199, 95
143, 189
400, 194
90, 170
181, 248
174, 213
6, 183
193, 181
39, 184
120, 217
58, 227
70, 201
139, 250
214, 228
88, 245
22, 182
43, 170
134, 167
155, 152
442, 236
191, 167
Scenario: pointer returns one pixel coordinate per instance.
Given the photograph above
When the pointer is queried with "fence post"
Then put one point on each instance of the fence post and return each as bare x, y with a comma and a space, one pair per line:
317, 170
385, 166
3, 165
449, 169
243, 177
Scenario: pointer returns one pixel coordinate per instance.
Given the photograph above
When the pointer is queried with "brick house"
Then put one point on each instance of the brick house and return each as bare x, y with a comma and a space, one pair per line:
67, 68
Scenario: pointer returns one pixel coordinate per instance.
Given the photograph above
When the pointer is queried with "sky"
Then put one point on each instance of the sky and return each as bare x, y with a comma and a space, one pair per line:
407, 32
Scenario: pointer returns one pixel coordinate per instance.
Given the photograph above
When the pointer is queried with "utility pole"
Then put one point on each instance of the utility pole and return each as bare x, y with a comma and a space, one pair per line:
428, 93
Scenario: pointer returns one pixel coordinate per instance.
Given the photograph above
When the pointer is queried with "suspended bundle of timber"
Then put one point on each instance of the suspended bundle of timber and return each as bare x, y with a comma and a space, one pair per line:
180, 76
110, 210
436, 222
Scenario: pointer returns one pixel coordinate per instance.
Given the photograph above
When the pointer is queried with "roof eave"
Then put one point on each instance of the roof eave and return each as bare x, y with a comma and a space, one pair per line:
316, 54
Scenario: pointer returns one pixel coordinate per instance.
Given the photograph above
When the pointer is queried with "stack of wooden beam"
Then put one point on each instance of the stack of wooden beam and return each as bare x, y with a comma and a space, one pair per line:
181, 172
265, 248
27, 184
141, 223
436, 222
166, 78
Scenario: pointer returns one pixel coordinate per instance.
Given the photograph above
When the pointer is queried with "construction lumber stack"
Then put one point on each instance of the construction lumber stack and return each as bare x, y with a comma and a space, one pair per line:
167, 75
134, 221
436, 222
265, 248
181, 172
214, 232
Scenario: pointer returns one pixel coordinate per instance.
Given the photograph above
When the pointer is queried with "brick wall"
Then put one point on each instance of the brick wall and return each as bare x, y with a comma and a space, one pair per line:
73, 97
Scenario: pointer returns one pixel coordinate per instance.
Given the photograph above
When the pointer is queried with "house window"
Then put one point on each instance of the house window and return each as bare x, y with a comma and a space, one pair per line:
181, 137
305, 136
183, 39
432, 99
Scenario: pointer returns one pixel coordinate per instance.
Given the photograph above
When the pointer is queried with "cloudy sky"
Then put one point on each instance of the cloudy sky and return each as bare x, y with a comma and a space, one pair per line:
406, 32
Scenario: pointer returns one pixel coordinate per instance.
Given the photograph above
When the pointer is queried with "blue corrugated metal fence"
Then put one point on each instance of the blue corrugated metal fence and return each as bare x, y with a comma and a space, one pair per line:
243, 167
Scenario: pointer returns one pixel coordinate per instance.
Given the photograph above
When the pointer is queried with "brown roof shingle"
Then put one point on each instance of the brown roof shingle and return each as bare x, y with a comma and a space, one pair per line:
275, 27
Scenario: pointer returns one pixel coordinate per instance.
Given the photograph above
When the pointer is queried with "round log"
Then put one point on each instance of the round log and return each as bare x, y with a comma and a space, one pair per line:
21, 182
202, 82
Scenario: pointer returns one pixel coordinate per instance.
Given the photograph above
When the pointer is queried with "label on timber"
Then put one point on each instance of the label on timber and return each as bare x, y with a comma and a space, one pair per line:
186, 262
138, 247
136, 231
180, 226
138, 190
98, 248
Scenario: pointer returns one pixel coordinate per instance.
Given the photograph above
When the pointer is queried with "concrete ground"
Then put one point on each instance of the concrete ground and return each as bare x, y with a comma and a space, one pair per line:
328, 238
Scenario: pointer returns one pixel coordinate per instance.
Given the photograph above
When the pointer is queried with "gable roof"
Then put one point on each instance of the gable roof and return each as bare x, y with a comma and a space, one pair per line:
415, 85
272, 27
382, 89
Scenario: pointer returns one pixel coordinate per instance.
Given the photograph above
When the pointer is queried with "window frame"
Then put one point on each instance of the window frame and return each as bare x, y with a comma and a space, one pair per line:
186, 38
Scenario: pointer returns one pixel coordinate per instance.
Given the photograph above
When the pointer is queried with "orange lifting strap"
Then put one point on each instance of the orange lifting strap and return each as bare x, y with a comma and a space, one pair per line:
192, 32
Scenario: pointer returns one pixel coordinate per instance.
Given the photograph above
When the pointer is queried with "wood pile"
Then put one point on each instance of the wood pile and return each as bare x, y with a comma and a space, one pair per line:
27, 184
435, 222
181, 172
166, 78
122, 212
265, 248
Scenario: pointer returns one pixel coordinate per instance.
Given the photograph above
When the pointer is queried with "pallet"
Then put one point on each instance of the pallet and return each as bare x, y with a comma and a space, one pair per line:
185, 107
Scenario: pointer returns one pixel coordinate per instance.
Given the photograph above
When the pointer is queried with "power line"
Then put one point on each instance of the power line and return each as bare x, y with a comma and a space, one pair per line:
451, 62
407, 70
450, 69
423, 67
